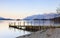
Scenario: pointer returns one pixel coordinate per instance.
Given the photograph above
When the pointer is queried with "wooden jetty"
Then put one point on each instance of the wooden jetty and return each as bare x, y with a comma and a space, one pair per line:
25, 26
30, 27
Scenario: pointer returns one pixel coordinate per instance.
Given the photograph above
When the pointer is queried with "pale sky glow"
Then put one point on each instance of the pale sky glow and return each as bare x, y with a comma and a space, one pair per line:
24, 8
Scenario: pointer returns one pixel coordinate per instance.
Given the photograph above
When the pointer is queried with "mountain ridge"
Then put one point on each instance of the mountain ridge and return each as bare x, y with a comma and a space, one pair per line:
2, 18
44, 16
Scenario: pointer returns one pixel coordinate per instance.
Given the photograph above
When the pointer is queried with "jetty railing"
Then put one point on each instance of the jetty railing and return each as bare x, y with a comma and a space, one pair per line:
30, 25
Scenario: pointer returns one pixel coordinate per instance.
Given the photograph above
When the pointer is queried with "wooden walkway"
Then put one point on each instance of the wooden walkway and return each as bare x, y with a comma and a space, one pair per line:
28, 26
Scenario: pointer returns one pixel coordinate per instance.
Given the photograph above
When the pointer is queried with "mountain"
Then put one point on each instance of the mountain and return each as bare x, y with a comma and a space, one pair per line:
1, 18
44, 16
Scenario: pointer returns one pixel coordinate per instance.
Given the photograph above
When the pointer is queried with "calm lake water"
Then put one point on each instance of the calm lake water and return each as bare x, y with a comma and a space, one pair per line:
6, 32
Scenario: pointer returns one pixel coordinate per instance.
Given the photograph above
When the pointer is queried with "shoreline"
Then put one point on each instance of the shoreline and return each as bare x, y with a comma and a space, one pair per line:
28, 35
48, 33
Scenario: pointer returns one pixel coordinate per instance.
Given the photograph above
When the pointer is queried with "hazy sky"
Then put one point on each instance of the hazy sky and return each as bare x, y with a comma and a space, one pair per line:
23, 8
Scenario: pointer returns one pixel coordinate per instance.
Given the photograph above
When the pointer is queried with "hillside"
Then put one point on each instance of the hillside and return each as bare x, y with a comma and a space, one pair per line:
1, 18
44, 16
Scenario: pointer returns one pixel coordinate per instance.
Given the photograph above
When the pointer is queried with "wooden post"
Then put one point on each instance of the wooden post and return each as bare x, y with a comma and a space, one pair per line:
39, 24
31, 23
24, 23
20, 23
14, 23
27, 23
9, 23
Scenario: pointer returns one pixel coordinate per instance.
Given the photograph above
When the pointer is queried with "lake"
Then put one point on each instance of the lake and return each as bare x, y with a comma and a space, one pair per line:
6, 32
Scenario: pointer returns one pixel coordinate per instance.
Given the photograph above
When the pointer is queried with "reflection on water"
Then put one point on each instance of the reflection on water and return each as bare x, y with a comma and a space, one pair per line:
6, 32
